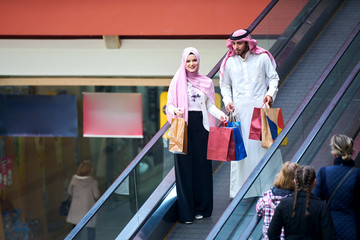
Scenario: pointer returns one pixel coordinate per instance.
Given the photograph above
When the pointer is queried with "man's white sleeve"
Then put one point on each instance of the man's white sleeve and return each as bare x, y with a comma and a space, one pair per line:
272, 78
225, 86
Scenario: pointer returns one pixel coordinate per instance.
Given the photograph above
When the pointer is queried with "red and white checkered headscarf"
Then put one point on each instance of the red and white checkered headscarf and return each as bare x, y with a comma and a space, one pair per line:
243, 35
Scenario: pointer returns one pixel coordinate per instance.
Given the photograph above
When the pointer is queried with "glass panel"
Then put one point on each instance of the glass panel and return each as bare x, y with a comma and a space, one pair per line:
343, 120
124, 203
281, 23
40, 169
245, 210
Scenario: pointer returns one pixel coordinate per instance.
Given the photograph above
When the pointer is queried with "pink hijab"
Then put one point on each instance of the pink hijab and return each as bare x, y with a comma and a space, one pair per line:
243, 35
178, 89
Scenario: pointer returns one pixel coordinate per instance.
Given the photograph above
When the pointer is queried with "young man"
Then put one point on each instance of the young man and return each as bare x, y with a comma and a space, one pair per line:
248, 79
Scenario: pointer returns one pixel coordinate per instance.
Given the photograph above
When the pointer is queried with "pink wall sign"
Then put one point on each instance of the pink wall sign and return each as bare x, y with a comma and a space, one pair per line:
112, 115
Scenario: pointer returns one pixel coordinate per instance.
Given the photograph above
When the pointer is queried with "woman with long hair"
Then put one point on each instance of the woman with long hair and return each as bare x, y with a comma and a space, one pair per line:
283, 186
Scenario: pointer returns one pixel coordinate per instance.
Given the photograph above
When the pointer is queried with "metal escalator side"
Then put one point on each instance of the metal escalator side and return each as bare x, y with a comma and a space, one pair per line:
320, 101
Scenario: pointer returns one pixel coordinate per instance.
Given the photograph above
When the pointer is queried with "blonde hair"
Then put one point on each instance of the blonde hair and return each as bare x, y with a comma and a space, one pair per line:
285, 178
85, 168
342, 146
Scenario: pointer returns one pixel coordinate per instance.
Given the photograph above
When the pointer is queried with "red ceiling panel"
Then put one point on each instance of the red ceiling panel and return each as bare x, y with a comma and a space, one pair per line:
127, 18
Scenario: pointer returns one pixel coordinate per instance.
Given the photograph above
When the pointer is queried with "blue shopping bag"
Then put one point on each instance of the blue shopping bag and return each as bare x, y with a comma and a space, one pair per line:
240, 151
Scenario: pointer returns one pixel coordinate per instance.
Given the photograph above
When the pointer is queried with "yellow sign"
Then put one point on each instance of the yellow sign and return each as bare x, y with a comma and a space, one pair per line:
163, 101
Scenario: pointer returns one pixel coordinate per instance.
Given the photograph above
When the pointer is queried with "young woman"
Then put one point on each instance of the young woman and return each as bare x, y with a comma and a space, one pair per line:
283, 186
303, 215
192, 96
345, 204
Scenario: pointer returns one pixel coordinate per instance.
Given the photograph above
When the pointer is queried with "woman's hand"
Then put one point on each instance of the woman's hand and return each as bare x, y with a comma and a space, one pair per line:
179, 112
224, 118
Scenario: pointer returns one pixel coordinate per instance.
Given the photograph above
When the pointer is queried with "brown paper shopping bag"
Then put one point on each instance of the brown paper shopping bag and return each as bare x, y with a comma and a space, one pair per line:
178, 136
271, 125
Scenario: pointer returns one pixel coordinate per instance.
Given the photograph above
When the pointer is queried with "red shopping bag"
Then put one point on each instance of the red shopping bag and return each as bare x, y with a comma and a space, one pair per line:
221, 144
255, 126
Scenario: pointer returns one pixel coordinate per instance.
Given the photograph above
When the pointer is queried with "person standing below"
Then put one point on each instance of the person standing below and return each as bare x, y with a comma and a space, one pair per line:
83, 190
248, 79
283, 186
345, 203
302, 215
192, 96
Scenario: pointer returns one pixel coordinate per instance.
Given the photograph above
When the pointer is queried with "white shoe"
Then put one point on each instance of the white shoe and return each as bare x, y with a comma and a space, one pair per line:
198, 217
188, 222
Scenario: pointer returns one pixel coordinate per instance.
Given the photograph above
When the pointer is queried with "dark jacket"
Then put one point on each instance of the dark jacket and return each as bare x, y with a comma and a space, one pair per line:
318, 225
345, 205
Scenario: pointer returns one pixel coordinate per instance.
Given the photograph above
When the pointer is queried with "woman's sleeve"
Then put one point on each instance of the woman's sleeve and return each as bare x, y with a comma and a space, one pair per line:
70, 187
319, 189
213, 110
260, 207
171, 109
276, 224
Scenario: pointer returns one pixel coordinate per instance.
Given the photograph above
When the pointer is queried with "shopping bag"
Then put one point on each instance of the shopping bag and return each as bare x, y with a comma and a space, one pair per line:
255, 125
221, 144
178, 136
240, 151
271, 125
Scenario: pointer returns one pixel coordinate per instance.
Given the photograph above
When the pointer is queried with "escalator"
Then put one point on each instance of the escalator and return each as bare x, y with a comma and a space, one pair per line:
329, 108
151, 214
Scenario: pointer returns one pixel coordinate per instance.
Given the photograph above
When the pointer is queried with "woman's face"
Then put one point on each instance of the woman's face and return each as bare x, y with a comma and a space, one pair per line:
192, 64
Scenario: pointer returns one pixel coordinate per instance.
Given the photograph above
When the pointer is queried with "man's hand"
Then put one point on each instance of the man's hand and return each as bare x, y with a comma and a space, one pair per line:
268, 99
230, 107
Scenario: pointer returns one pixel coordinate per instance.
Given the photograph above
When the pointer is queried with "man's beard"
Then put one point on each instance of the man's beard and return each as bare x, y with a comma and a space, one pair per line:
243, 52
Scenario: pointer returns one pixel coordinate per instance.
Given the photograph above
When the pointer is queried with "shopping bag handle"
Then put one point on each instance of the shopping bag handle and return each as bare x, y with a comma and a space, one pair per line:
265, 105
232, 117
223, 123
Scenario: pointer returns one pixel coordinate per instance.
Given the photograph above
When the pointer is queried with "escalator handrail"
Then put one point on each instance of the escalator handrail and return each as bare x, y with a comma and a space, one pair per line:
149, 145
263, 162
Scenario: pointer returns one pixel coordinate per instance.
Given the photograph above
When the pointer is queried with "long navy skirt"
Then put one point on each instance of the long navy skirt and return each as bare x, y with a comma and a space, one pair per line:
193, 172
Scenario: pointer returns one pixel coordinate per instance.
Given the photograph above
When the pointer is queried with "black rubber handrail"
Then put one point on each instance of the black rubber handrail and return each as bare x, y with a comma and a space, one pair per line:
150, 144
261, 165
